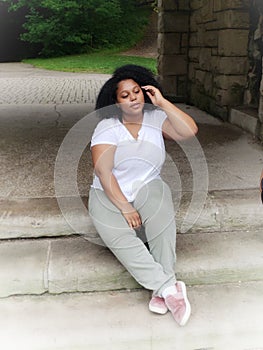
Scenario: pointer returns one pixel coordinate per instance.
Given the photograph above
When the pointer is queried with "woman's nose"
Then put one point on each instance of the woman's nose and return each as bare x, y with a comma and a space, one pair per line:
133, 96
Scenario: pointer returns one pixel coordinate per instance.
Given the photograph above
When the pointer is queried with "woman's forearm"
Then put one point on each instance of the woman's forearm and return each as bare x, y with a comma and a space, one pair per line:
184, 125
114, 193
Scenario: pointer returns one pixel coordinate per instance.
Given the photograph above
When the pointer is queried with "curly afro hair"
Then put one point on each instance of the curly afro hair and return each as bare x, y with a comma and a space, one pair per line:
107, 95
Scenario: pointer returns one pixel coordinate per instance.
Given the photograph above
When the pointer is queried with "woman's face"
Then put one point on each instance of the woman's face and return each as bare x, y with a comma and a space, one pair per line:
130, 97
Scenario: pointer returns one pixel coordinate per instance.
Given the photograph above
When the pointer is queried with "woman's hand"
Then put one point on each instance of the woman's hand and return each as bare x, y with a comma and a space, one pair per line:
154, 94
133, 218
178, 125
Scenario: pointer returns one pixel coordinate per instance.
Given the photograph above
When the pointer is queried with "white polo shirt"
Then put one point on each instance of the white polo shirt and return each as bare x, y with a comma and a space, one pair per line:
136, 161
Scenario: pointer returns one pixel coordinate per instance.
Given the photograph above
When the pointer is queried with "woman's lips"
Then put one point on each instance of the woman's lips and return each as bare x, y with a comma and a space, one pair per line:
135, 105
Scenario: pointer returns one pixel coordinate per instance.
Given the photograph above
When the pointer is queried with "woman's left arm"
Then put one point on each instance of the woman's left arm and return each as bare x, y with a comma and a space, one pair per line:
178, 125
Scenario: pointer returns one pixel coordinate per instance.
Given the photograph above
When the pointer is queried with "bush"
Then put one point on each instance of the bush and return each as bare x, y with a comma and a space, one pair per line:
65, 27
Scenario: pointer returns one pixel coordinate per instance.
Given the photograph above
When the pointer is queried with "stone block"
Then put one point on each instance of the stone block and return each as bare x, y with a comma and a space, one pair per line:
234, 82
197, 38
199, 98
193, 40
192, 70
173, 22
220, 112
235, 213
200, 76
184, 40
184, 51
167, 5
220, 5
172, 65
77, 265
169, 43
211, 25
193, 54
182, 85
205, 79
244, 119
232, 19
38, 217
183, 5
210, 38
169, 85
206, 11
23, 267
227, 98
205, 58
214, 51
226, 249
233, 42
196, 4
195, 21
231, 65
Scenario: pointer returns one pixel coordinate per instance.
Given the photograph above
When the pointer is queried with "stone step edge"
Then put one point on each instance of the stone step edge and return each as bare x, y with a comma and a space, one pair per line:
223, 211
74, 264
246, 119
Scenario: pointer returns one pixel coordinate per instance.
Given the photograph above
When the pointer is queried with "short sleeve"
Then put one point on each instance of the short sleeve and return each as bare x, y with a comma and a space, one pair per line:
156, 118
105, 133
160, 116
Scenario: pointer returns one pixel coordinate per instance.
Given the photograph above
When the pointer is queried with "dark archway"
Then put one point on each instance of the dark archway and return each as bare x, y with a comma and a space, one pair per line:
11, 26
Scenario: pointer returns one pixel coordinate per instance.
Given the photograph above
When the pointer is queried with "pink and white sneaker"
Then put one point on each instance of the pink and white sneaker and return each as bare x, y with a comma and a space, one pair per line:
158, 305
179, 305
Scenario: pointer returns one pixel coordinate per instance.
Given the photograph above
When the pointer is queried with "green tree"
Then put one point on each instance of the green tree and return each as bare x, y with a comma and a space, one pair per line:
64, 27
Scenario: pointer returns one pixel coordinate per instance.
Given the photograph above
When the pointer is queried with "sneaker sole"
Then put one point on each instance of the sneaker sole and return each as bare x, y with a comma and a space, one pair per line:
157, 310
188, 306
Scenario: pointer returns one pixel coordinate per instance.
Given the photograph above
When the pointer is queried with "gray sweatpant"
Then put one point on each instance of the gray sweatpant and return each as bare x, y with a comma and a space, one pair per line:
153, 268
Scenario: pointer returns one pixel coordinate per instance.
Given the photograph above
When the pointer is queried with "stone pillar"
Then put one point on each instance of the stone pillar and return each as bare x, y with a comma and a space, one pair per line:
173, 28
218, 54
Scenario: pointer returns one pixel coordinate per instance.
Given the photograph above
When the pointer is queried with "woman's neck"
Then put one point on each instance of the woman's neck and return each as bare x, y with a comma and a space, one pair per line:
132, 118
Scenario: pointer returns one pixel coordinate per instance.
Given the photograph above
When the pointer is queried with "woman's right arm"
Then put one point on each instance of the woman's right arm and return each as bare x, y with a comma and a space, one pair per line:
103, 160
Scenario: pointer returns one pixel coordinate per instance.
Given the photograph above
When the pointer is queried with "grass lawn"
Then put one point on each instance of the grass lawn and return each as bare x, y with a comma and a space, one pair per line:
99, 62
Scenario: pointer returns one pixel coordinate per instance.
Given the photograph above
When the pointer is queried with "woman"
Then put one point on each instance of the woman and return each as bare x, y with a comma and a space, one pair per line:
127, 192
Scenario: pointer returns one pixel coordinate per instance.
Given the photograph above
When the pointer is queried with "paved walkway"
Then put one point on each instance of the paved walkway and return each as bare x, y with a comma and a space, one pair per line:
224, 317
23, 84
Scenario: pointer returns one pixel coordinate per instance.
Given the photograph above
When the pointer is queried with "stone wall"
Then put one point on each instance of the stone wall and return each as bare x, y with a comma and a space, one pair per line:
218, 54
173, 37
203, 52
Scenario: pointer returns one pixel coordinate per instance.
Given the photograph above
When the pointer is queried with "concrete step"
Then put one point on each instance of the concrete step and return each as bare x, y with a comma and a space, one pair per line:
224, 317
222, 159
246, 118
74, 264
224, 211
